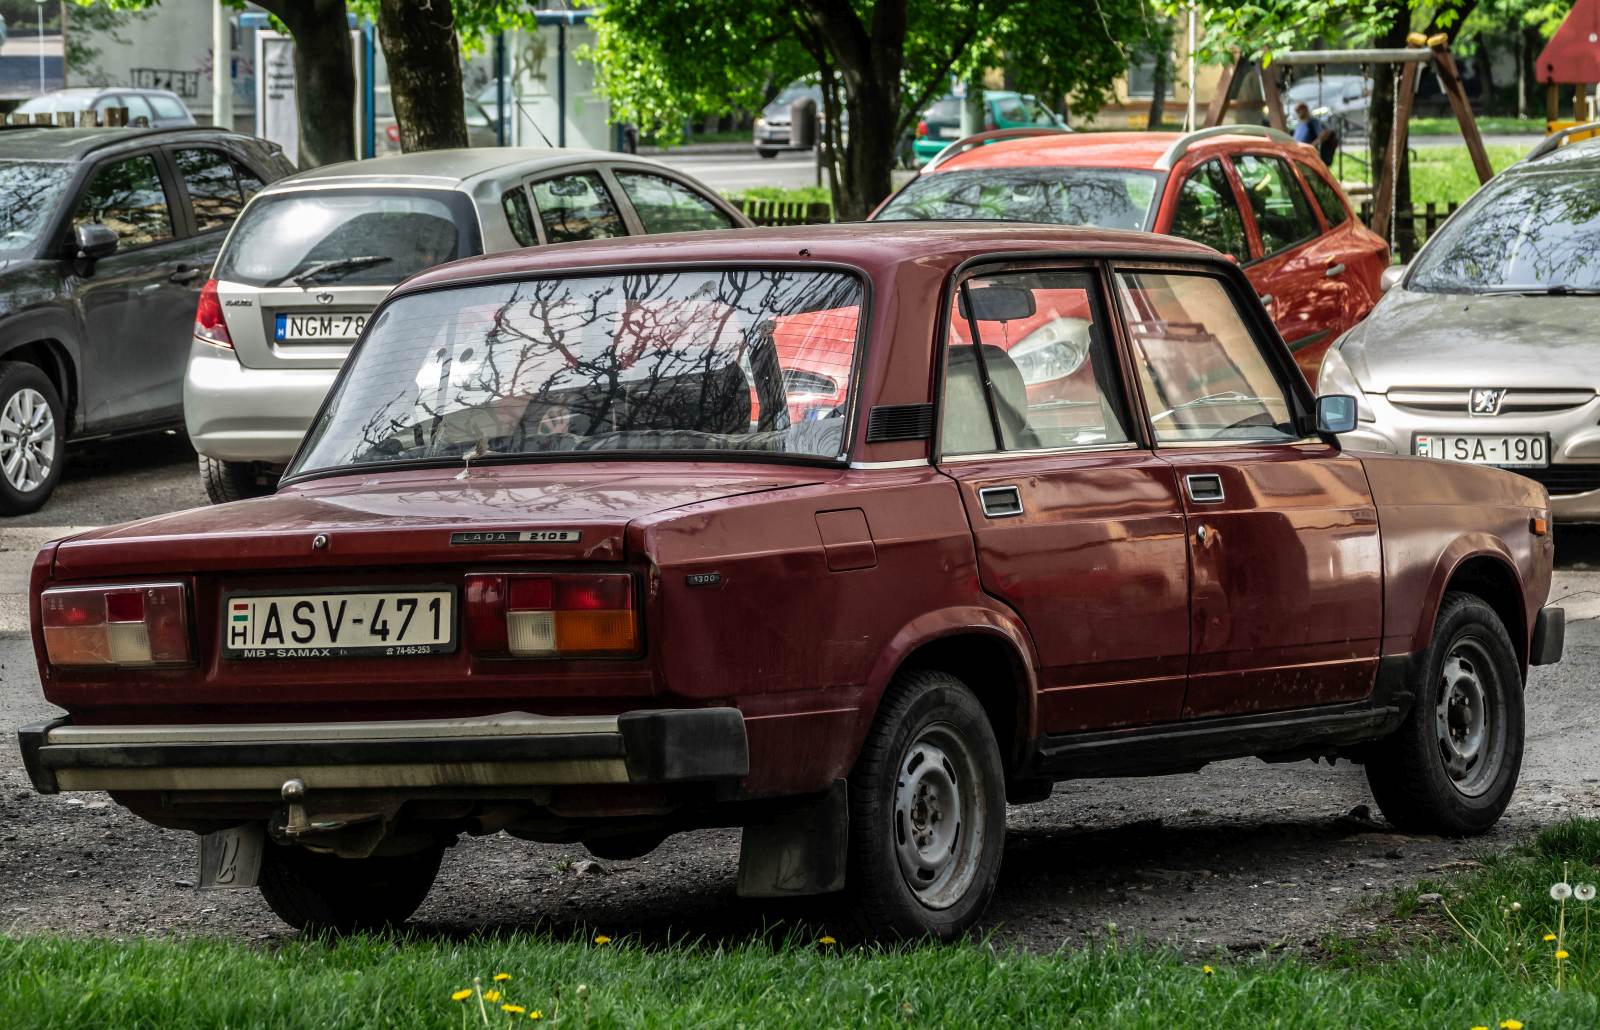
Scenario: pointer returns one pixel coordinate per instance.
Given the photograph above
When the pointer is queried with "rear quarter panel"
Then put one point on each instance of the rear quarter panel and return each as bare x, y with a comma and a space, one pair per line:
1436, 515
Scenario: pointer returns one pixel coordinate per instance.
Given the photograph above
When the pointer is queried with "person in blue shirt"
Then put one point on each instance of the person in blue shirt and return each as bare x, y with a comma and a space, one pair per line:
1311, 130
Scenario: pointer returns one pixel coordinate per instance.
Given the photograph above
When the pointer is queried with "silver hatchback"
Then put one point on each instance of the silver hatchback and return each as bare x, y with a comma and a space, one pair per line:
1484, 349
312, 256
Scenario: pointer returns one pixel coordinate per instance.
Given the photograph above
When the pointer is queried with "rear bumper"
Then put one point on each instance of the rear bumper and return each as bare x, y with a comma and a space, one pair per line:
514, 749
234, 413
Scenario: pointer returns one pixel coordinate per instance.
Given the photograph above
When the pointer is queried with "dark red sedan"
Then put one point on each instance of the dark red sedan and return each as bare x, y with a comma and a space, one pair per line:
562, 557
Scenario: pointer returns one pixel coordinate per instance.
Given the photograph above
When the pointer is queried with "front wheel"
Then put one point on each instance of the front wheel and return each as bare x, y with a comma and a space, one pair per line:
314, 892
32, 434
927, 812
1452, 765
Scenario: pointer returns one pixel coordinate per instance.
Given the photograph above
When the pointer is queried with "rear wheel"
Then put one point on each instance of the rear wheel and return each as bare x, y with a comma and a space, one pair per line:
766, 153
315, 892
32, 437
235, 480
1452, 765
927, 812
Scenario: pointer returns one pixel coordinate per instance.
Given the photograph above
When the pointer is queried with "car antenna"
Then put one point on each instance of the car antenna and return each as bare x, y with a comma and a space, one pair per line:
542, 136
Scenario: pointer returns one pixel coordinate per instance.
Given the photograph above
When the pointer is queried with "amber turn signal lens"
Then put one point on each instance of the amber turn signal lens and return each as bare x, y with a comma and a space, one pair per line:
596, 632
1539, 525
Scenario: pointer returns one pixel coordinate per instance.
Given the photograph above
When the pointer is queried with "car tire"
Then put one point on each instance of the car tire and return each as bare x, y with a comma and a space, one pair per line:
1452, 766
927, 812
234, 480
317, 893
32, 438
769, 154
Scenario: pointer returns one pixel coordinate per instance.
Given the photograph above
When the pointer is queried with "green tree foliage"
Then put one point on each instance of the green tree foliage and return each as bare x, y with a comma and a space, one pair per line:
879, 62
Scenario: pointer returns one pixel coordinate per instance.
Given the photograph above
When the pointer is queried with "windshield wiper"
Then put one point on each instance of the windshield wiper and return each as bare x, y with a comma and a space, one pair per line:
338, 265
1540, 290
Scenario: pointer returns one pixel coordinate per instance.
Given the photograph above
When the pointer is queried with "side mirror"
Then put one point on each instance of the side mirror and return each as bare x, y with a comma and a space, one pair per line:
1336, 413
1391, 278
94, 241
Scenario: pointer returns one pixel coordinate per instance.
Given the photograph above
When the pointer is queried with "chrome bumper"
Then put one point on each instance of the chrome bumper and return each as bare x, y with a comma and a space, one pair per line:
509, 750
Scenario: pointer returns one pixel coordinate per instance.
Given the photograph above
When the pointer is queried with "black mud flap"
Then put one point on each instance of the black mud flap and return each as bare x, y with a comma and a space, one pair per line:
800, 850
232, 857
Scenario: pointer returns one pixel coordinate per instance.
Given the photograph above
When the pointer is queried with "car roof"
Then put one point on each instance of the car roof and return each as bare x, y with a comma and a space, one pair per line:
94, 91
876, 248
1085, 149
1581, 155
50, 144
449, 167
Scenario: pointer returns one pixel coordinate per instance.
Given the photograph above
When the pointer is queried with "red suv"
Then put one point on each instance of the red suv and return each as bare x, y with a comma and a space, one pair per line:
1251, 192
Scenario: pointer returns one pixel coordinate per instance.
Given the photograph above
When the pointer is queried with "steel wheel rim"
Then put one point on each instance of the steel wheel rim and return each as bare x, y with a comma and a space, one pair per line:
1469, 719
27, 440
939, 815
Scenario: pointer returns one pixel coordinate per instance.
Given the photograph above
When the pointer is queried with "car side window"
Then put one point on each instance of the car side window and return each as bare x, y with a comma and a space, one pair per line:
514, 202
1203, 373
126, 196
249, 182
166, 107
213, 186
577, 207
1333, 210
1283, 215
1042, 348
1208, 212
667, 206
137, 108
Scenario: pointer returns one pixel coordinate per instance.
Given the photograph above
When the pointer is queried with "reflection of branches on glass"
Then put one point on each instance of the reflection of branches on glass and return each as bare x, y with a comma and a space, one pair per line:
29, 191
1533, 230
1110, 198
128, 198
647, 361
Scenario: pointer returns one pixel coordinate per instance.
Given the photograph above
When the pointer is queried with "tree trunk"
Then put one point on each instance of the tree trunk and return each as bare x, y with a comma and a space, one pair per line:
1158, 95
324, 77
424, 59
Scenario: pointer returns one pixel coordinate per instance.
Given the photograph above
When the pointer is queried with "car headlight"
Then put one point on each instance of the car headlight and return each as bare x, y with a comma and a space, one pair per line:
761, 123
1335, 377
1053, 351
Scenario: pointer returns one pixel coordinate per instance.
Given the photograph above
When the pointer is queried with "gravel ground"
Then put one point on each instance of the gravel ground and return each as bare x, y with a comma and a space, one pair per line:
1241, 856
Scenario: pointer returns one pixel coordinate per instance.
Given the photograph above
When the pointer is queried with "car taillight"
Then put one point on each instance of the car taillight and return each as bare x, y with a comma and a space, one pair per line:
137, 624
393, 132
922, 129
552, 615
209, 325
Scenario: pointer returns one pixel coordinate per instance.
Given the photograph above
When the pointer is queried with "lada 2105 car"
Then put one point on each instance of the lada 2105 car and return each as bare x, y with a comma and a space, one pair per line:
560, 557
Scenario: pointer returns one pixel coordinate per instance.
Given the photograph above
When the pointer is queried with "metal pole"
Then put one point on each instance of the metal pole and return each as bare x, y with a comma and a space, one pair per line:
221, 67
500, 89
1189, 117
39, 11
561, 84
369, 93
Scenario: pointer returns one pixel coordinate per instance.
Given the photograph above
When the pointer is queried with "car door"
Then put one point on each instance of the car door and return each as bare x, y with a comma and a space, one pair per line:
576, 205
1207, 211
1359, 255
1294, 268
137, 305
1077, 524
1286, 589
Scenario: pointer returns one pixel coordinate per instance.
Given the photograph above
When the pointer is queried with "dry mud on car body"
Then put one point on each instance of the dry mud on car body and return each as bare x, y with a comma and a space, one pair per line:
604, 542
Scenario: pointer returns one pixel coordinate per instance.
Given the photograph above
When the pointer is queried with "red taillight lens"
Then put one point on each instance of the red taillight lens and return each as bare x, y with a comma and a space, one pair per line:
922, 129
147, 624
209, 325
393, 132
551, 615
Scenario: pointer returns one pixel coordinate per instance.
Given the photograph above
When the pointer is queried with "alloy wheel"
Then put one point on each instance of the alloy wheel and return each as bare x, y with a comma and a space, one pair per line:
27, 440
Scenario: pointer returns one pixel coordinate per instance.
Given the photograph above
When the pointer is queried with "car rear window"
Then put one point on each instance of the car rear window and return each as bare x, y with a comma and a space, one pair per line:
1111, 198
350, 236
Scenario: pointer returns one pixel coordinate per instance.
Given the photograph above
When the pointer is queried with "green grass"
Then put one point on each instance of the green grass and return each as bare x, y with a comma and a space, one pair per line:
1489, 123
1444, 175
800, 194
1421, 971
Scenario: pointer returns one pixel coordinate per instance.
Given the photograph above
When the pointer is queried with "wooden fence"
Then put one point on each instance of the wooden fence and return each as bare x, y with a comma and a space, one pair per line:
1424, 222
786, 212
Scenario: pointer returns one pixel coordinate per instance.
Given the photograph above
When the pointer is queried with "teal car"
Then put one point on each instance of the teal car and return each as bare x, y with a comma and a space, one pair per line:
940, 125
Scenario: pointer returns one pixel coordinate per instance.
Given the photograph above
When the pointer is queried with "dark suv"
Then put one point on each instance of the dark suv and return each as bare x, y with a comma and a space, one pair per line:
106, 236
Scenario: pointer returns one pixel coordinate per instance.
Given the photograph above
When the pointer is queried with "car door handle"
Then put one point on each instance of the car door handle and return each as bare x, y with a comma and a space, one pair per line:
1205, 488
183, 274
1333, 270
1000, 502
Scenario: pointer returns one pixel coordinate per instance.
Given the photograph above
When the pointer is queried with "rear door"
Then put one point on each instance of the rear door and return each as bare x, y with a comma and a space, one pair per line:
1294, 266
661, 203
1286, 605
1360, 255
1078, 525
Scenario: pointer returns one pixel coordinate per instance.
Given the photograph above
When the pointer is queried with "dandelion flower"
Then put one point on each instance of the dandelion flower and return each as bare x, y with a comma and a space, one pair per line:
1480, 1028
1560, 891
1207, 970
825, 939
536, 1014
515, 1010
1516, 906
602, 939
491, 995
462, 995
1584, 892
1511, 1024
1549, 937
501, 977
1562, 954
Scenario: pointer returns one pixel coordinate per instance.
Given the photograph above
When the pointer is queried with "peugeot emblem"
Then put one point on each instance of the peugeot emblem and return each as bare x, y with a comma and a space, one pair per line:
1485, 401
324, 298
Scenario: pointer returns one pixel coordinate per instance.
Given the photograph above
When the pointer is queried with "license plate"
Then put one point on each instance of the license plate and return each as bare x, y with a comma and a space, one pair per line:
1532, 451
950, 133
383, 623
320, 327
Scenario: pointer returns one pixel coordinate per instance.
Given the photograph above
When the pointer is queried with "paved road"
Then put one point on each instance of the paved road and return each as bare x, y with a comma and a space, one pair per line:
1242, 855
744, 170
